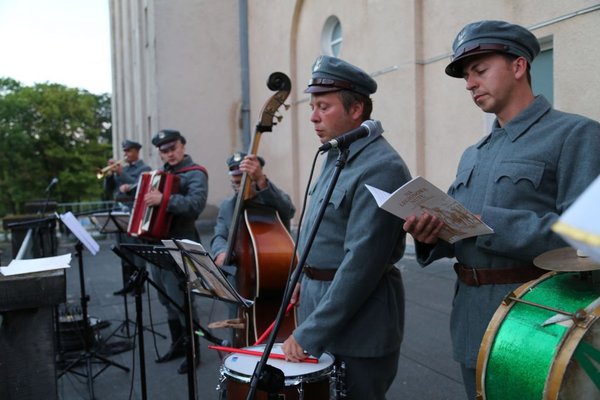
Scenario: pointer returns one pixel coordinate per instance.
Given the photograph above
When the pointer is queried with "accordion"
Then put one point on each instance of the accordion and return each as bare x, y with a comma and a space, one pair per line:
153, 222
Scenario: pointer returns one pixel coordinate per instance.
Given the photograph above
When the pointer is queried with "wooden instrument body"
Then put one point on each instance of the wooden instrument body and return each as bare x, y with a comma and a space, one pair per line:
258, 242
152, 223
265, 251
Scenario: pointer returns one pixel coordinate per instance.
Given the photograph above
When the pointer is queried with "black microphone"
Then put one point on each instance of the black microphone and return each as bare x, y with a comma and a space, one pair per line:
345, 140
52, 183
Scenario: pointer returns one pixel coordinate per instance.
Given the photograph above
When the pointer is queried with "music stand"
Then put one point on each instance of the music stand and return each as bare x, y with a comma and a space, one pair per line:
117, 222
162, 257
89, 354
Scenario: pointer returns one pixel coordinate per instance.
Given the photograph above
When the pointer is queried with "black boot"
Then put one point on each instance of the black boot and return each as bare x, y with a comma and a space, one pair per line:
178, 347
183, 367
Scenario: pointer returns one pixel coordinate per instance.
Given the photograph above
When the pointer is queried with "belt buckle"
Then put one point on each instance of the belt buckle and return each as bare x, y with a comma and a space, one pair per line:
475, 276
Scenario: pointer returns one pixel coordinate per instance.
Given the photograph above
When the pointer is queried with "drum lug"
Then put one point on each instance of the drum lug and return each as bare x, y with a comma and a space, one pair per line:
509, 298
222, 378
338, 381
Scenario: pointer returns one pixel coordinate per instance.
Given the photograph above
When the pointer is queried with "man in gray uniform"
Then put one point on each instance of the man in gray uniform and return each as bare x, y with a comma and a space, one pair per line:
519, 178
185, 206
122, 183
264, 192
351, 299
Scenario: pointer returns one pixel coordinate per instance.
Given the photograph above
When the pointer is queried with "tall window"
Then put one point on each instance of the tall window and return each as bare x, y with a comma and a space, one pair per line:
331, 37
542, 71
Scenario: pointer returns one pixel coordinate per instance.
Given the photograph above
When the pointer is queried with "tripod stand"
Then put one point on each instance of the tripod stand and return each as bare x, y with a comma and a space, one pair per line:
116, 222
89, 356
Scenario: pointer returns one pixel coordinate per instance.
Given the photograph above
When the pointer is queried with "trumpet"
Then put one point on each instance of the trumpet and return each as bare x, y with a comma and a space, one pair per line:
108, 170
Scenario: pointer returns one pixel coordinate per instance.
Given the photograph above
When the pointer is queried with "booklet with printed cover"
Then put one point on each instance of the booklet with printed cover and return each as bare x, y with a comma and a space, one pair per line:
418, 196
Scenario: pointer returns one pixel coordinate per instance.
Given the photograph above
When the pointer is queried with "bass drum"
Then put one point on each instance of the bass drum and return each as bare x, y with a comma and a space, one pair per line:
523, 355
303, 381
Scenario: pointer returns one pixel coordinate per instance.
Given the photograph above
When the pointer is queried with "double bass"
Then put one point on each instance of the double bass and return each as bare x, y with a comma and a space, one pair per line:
259, 243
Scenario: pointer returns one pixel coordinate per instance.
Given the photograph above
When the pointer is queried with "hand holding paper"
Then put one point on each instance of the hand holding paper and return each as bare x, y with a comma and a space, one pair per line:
418, 196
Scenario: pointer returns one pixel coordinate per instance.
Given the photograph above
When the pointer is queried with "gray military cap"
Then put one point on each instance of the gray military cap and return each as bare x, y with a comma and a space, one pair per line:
330, 74
130, 144
491, 36
234, 161
166, 138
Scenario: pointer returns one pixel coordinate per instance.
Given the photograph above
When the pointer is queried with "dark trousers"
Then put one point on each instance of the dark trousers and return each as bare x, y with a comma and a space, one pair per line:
369, 378
469, 376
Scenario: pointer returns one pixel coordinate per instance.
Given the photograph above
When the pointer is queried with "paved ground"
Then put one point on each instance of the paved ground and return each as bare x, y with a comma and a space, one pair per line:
426, 368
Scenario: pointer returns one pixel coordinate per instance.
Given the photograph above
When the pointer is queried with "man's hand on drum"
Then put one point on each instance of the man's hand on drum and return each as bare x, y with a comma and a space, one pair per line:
293, 351
425, 228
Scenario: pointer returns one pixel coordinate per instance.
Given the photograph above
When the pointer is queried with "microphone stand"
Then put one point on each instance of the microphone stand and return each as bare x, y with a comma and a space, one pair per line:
272, 379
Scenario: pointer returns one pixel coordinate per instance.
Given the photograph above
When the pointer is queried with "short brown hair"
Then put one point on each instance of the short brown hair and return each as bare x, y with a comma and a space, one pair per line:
349, 97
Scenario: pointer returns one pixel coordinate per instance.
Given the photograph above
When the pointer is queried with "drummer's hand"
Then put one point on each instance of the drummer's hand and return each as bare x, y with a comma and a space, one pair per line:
153, 198
124, 188
292, 350
425, 228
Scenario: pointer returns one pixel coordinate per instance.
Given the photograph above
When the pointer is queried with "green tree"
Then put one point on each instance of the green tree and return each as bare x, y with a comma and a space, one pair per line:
46, 131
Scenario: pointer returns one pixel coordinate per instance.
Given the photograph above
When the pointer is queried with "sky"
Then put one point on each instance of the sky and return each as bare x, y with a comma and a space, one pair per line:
56, 41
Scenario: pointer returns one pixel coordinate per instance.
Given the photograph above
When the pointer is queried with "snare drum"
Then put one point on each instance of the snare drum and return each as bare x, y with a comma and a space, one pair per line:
521, 357
303, 381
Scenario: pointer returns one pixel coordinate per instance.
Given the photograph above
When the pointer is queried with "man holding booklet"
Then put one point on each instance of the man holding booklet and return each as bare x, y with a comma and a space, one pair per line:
518, 179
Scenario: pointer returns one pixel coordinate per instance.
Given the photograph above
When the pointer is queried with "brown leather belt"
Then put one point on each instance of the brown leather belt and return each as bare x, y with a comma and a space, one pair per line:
484, 276
317, 274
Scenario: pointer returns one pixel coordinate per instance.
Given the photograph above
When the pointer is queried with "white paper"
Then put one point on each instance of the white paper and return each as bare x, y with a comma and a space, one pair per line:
418, 196
580, 224
80, 233
17, 267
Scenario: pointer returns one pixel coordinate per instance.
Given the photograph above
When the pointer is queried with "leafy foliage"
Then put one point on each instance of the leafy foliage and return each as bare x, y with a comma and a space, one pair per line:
46, 131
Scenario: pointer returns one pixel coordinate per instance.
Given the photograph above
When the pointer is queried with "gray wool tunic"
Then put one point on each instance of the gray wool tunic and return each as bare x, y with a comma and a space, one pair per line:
361, 312
520, 178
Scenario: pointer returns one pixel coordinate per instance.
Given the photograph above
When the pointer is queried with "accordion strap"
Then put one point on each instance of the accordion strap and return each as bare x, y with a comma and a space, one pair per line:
192, 168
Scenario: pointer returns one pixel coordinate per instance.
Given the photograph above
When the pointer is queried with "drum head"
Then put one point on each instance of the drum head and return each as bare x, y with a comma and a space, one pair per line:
241, 366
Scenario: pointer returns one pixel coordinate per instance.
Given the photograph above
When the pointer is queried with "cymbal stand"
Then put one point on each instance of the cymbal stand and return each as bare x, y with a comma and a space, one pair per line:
89, 354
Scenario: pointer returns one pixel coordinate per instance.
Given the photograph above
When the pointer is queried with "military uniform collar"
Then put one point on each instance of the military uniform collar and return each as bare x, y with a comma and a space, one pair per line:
360, 144
522, 122
186, 162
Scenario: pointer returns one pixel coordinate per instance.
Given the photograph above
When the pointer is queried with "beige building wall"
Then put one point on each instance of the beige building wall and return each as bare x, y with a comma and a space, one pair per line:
186, 74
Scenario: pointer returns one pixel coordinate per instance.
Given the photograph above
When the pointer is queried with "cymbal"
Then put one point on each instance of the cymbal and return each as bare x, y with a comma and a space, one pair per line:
565, 259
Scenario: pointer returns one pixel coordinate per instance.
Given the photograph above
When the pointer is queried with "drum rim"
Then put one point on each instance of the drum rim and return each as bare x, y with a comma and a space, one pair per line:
292, 380
565, 351
310, 377
492, 330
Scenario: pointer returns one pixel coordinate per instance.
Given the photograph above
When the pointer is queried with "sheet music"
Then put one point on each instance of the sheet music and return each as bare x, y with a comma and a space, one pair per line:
80, 233
18, 267
206, 277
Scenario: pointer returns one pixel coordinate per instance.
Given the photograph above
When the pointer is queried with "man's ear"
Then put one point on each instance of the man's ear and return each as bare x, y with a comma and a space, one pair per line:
356, 110
520, 67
